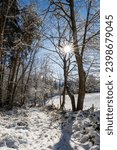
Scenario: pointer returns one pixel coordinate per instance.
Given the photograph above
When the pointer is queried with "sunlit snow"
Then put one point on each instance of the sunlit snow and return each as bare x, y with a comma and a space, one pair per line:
49, 129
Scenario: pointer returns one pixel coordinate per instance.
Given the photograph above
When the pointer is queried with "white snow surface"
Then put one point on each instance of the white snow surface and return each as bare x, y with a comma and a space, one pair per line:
90, 99
49, 129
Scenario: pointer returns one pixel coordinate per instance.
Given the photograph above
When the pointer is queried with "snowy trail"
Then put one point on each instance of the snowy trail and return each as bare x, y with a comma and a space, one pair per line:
38, 129
44, 135
35, 132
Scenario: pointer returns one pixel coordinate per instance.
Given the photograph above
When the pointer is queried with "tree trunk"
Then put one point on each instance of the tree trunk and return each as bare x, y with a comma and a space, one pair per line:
72, 99
1, 77
1, 51
30, 69
66, 87
0, 84
63, 102
65, 82
10, 99
81, 72
82, 82
15, 86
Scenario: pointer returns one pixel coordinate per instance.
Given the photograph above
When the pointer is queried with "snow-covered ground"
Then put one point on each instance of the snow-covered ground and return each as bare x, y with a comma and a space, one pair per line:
49, 129
90, 99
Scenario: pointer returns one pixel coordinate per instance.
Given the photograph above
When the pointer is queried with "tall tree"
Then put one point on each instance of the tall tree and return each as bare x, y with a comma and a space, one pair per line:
8, 27
84, 26
19, 40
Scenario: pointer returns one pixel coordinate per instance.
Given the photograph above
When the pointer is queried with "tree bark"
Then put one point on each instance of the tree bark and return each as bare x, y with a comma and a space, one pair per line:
81, 72
63, 102
66, 87
72, 98
65, 81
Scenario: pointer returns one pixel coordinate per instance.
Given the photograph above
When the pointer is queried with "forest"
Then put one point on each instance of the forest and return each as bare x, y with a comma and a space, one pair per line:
50, 50
55, 51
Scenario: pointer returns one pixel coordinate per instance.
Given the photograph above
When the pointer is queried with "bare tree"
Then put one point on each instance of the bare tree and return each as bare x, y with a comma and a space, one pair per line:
85, 32
63, 59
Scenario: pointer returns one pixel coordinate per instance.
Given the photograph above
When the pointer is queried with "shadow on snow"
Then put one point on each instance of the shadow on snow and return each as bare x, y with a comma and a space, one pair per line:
66, 129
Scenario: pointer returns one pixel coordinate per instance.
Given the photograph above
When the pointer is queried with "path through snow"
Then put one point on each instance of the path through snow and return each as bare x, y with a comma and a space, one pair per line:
38, 129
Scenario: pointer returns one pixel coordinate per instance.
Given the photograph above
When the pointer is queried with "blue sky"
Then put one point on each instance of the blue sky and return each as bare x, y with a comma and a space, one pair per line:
42, 5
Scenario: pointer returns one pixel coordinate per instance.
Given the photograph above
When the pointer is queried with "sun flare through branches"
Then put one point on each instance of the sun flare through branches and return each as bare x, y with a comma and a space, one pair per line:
68, 48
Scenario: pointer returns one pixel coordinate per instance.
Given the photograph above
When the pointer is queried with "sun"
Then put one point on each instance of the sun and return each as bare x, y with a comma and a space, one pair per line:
67, 48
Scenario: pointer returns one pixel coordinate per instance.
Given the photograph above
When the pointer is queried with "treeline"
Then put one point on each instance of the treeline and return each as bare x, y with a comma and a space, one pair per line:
19, 41
43, 86
23, 32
